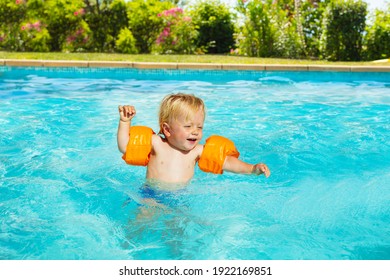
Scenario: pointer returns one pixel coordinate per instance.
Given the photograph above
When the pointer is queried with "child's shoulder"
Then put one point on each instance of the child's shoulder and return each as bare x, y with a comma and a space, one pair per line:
199, 149
157, 139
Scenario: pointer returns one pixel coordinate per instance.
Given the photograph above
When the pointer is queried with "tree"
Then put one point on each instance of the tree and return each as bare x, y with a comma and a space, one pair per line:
343, 27
178, 33
378, 36
215, 26
64, 18
105, 19
144, 22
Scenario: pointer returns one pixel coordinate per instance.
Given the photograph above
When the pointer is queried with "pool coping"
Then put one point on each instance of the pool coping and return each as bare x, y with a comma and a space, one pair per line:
184, 66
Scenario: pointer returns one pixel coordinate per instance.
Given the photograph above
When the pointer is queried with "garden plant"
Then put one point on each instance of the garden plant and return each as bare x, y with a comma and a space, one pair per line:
334, 30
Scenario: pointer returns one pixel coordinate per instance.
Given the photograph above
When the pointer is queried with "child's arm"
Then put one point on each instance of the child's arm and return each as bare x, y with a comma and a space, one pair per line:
126, 113
233, 164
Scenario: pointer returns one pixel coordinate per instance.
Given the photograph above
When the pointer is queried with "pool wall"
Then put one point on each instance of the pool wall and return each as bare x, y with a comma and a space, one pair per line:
204, 75
208, 66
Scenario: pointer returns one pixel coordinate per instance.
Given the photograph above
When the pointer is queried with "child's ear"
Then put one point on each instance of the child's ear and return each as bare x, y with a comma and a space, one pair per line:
166, 129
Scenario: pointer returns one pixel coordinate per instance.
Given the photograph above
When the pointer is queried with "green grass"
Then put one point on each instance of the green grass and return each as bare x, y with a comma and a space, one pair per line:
173, 58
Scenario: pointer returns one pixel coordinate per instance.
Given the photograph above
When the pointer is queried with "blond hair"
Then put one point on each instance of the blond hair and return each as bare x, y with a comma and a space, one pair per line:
177, 105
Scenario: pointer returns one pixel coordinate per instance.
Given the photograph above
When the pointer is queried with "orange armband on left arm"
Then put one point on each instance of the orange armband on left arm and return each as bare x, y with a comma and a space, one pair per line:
139, 146
215, 151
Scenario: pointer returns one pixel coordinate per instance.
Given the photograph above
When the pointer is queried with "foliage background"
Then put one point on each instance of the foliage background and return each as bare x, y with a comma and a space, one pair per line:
335, 30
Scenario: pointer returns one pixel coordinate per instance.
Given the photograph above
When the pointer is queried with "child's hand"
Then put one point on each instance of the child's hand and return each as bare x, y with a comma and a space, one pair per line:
126, 112
261, 168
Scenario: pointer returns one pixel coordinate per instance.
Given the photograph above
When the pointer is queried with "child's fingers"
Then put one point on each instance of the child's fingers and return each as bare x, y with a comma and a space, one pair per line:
266, 173
262, 169
265, 170
127, 111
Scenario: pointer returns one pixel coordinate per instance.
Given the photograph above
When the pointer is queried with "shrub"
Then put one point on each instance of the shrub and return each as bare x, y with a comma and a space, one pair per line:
63, 19
35, 9
144, 22
126, 42
105, 20
378, 36
118, 19
12, 11
34, 36
312, 14
215, 26
287, 41
78, 39
12, 14
178, 33
257, 36
343, 27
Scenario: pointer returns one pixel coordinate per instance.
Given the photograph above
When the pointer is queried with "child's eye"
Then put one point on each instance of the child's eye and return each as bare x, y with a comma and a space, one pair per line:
187, 126
200, 127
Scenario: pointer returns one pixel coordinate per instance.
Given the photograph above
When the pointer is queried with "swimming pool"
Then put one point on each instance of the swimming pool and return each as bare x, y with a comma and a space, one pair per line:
65, 193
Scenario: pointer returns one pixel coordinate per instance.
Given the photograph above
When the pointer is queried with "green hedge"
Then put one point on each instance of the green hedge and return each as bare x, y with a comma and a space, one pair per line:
377, 40
215, 25
328, 29
343, 26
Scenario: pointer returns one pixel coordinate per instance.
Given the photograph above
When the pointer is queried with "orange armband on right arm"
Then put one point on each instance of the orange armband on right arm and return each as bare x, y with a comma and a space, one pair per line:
215, 151
139, 146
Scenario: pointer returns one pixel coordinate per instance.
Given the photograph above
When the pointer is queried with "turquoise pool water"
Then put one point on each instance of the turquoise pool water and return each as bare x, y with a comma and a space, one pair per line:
65, 193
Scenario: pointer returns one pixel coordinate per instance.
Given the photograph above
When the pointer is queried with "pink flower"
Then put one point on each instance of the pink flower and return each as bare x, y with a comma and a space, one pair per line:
36, 25
172, 12
80, 31
70, 39
165, 32
23, 27
17, 2
160, 40
79, 12
187, 19
178, 10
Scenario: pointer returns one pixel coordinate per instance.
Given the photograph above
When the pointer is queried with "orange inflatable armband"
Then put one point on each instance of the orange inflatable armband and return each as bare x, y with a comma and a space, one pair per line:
215, 151
139, 146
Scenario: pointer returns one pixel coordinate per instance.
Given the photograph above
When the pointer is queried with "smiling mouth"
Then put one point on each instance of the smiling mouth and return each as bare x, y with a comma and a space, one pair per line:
192, 139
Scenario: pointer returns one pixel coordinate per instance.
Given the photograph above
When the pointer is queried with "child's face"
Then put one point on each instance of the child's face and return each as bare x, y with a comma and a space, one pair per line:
185, 133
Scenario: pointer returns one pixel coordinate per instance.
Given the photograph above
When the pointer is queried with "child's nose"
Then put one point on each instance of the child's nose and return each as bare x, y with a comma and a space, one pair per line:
195, 131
